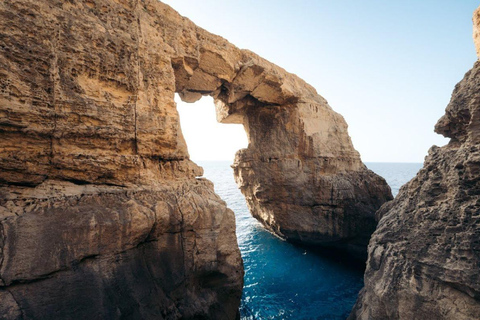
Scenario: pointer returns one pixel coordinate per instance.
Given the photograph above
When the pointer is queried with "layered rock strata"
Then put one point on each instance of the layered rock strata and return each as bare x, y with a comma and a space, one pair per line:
300, 174
102, 214
102, 252
424, 257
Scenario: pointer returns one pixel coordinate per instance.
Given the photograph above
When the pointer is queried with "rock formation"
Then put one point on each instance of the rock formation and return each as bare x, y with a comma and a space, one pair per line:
102, 214
300, 174
424, 257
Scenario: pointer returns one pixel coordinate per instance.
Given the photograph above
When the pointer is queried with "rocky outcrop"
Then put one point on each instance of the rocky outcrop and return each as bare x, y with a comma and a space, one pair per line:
99, 252
315, 199
424, 257
102, 214
300, 174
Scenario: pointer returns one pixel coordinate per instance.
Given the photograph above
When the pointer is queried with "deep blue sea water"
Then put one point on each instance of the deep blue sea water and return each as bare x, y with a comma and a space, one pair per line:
284, 281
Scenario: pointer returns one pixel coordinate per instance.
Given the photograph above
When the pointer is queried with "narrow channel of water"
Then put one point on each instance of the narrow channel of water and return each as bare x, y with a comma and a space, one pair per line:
283, 281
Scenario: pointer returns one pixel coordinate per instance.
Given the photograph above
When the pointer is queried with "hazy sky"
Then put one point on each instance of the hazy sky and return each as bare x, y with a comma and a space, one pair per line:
388, 67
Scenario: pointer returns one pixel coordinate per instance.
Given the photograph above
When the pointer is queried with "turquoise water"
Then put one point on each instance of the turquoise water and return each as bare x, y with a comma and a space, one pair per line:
284, 281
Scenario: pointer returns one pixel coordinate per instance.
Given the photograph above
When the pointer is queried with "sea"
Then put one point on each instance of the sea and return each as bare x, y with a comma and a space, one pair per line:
286, 281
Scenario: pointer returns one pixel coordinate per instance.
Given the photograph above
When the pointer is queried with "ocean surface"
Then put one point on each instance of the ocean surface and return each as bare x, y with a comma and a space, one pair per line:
284, 281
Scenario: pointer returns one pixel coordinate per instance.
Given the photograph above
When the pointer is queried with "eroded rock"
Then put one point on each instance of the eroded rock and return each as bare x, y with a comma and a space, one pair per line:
307, 183
102, 215
424, 257
98, 252
101, 211
300, 174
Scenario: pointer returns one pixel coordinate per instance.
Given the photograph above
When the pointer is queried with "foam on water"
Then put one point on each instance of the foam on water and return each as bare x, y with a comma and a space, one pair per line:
284, 281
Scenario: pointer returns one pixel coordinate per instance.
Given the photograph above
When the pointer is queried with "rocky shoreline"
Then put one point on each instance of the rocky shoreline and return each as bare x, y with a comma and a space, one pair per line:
104, 216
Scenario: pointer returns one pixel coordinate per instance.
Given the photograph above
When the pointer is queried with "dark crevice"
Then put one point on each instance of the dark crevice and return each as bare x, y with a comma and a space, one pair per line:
160, 159
149, 237
110, 184
75, 263
182, 231
147, 240
2, 250
42, 277
10, 124
73, 266
28, 184
78, 182
135, 145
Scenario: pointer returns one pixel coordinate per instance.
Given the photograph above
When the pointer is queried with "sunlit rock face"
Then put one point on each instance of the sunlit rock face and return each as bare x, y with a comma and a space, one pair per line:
424, 257
102, 214
306, 183
300, 174
476, 30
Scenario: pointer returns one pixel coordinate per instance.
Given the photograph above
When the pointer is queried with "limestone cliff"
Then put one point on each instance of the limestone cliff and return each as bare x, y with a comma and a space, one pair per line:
424, 257
102, 214
300, 174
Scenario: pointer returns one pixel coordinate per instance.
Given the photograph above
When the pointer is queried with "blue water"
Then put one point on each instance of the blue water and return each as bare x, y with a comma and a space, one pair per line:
284, 281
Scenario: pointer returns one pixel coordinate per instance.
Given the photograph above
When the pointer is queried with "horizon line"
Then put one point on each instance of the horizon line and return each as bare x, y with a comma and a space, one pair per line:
224, 160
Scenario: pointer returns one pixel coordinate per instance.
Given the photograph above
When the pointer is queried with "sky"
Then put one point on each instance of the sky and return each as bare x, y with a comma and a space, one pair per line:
389, 67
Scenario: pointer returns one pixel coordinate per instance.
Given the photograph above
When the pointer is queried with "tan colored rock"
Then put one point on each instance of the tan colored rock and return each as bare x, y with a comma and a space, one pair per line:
300, 174
101, 211
424, 257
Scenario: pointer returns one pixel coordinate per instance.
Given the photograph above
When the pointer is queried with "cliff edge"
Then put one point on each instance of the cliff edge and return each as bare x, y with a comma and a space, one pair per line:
424, 257
102, 213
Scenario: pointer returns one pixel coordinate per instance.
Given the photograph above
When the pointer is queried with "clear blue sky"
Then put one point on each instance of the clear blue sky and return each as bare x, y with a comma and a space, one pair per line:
388, 67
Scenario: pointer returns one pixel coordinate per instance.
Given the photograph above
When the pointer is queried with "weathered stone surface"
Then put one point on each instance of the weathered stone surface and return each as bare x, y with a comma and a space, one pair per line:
307, 183
300, 174
101, 211
424, 257
101, 253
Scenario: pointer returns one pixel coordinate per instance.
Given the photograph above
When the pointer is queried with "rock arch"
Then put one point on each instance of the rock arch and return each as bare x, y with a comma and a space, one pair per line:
95, 177
300, 174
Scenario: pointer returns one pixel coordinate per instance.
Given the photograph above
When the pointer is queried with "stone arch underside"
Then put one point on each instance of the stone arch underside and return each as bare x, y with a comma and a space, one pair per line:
98, 195
300, 174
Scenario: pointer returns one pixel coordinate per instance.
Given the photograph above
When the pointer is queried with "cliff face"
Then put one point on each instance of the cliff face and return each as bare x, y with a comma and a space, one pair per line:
102, 214
98, 252
300, 174
424, 257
